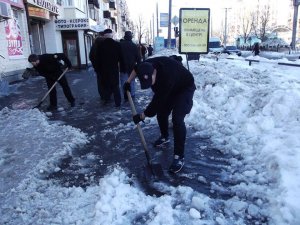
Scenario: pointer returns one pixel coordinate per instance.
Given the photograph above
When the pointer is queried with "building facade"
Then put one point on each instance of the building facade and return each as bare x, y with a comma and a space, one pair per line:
50, 26
14, 39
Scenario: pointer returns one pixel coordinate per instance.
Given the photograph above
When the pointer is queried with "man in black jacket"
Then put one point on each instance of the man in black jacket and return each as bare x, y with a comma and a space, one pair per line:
49, 66
93, 58
173, 87
109, 56
131, 57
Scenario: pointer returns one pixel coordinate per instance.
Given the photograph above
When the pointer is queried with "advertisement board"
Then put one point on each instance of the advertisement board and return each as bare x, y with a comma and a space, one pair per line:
194, 30
14, 39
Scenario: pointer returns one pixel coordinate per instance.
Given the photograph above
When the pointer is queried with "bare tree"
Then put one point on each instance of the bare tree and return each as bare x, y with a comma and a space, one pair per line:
246, 27
260, 23
140, 28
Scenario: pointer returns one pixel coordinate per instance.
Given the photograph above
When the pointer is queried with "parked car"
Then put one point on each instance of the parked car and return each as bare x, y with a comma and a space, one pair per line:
214, 45
231, 49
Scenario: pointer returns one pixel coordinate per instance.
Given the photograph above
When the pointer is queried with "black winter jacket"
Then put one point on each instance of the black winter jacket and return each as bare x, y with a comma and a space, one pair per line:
108, 57
131, 56
171, 78
50, 66
93, 52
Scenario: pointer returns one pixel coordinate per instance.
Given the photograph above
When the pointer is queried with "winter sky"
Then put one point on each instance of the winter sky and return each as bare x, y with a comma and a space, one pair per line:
249, 112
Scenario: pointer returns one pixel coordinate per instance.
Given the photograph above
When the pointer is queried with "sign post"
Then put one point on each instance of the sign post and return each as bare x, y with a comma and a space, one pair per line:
194, 31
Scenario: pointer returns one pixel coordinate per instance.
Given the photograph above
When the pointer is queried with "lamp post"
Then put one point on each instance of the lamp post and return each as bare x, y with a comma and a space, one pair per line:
169, 24
225, 32
295, 21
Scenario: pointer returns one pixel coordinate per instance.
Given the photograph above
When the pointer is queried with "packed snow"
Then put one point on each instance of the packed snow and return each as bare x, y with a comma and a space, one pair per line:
248, 112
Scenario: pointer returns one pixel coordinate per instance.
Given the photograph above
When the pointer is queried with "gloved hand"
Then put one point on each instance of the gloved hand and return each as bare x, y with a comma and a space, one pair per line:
137, 118
28, 72
126, 87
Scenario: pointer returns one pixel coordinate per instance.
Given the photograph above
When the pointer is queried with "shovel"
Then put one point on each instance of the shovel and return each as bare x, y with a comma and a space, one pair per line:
45, 96
151, 170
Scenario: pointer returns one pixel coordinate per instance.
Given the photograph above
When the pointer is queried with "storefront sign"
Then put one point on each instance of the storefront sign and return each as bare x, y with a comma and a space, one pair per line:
15, 3
14, 39
45, 5
71, 24
194, 30
76, 24
38, 13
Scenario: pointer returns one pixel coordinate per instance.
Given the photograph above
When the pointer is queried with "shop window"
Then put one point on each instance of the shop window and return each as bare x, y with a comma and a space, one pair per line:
37, 37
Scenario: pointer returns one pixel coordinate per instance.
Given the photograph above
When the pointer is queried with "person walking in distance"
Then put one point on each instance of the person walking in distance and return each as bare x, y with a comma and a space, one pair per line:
256, 49
109, 56
49, 66
150, 50
173, 86
131, 57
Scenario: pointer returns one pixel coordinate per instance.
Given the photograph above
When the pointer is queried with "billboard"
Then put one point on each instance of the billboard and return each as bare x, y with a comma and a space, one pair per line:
194, 30
14, 39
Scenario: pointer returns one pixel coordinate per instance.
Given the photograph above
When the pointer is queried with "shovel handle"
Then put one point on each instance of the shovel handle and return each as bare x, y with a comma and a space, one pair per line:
133, 110
45, 96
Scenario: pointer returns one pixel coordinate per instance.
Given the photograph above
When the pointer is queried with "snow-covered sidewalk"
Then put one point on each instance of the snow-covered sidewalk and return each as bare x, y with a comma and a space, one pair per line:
250, 113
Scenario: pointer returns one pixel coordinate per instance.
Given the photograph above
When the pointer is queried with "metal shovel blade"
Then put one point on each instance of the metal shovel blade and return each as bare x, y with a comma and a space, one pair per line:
153, 172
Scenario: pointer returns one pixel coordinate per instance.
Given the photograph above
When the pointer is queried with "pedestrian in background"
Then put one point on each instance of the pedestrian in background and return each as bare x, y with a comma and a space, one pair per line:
109, 56
131, 57
143, 50
49, 66
93, 58
256, 49
173, 86
150, 50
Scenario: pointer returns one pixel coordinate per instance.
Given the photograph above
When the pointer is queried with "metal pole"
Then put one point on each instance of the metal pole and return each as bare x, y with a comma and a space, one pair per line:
295, 20
157, 31
169, 24
153, 29
225, 32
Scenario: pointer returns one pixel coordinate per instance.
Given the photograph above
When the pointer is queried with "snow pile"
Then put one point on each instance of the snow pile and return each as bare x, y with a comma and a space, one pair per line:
253, 113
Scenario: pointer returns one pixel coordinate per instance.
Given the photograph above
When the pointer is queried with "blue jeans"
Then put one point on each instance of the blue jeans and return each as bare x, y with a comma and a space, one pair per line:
123, 79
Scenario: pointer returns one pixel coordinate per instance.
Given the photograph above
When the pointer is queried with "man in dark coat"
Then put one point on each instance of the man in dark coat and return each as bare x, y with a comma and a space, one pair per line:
173, 87
256, 49
109, 56
131, 57
150, 50
49, 66
93, 58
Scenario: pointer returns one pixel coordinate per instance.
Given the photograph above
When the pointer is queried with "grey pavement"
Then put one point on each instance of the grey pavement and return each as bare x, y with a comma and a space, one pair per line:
115, 141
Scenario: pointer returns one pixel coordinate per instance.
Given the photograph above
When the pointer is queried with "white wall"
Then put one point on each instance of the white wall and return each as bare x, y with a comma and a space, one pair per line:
81, 46
11, 66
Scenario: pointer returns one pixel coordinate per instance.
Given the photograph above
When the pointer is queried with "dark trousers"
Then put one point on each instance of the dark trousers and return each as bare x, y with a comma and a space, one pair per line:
180, 105
66, 89
108, 90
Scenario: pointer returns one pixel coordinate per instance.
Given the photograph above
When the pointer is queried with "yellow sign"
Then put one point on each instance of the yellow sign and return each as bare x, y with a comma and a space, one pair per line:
194, 30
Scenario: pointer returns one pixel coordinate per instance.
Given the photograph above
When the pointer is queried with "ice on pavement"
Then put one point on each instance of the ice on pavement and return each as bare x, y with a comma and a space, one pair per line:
249, 112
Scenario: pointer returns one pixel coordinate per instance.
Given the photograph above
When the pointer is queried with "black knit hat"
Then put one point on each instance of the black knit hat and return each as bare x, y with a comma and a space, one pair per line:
128, 35
144, 73
107, 31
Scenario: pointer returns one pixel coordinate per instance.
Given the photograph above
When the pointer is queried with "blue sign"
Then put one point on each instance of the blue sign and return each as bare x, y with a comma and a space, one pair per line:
164, 19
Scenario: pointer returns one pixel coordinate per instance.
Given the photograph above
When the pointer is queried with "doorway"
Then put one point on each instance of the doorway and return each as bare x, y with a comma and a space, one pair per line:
71, 47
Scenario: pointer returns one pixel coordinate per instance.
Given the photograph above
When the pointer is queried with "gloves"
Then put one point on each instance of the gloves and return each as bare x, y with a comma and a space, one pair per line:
137, 118
28, 72
126, 87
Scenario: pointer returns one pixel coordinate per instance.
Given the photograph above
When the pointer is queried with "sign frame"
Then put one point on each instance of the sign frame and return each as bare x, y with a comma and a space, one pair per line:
190, 30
